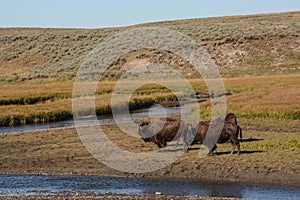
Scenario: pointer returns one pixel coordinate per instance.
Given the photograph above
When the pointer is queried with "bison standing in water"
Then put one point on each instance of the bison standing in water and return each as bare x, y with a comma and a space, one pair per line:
163, 130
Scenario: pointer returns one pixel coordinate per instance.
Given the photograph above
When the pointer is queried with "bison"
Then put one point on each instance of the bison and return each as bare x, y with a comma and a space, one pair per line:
231, 118
163, 130
229, 132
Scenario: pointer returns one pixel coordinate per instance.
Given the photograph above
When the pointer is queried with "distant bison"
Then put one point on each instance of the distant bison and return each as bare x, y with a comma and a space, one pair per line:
200, 130
201, 94
231, 118
229, 131
163, 130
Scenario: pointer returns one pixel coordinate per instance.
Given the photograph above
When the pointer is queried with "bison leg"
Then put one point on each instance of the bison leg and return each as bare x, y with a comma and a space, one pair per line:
157, 140
164, 142
235, 143
159, 144
178, 140
233, 147
212, 151
238, 148
186, 136
185, 146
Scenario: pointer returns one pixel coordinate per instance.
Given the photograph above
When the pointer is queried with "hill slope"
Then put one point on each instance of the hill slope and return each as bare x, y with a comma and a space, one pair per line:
240, 45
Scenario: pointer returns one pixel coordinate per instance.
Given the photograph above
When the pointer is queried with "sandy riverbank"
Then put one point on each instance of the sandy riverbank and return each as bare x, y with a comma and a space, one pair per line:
266, 158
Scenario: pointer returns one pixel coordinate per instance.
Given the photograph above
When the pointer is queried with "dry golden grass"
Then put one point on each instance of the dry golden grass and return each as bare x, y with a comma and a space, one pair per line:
262, 97
34, 89
268, 97
27, 110
279, 100
57, 88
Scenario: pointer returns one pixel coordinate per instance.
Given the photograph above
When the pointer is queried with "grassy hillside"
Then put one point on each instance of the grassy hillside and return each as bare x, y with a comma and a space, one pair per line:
241, 45
258, 57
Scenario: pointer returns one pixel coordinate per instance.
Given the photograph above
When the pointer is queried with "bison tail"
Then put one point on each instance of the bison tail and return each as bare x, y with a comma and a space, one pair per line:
241, 134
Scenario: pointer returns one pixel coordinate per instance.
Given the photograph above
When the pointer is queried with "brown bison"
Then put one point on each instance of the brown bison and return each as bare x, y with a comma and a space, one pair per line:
163, 130
231, 118
229, 132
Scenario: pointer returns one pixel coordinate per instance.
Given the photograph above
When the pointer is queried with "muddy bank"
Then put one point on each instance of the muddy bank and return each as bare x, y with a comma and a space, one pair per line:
266, 158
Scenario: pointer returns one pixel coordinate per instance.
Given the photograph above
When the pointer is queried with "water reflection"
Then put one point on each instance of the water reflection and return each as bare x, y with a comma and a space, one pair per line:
31, 185
224, 191
104, 120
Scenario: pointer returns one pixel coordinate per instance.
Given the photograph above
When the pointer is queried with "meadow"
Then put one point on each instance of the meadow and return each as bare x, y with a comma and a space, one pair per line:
256, 98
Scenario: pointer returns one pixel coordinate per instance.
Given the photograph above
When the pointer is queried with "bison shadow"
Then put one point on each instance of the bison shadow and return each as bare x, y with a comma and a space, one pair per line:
241, 152
194, 148
165, 150
251, 140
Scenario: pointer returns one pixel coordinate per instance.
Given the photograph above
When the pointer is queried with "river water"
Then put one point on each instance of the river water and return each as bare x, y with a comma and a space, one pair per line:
37, 185
143, 113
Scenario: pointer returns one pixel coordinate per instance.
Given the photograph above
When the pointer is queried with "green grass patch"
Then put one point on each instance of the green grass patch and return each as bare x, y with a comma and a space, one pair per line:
16, 120
60, 115
291, 145
30, 100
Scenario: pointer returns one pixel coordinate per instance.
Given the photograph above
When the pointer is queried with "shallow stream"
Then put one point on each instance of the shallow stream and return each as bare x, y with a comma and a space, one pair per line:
33, 185
104, 120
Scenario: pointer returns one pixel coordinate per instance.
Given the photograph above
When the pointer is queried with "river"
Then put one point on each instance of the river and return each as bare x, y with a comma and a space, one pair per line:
143, 113
37, 185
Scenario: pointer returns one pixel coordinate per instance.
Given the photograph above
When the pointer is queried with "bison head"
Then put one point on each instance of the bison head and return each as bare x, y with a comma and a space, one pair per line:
231, 130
